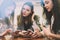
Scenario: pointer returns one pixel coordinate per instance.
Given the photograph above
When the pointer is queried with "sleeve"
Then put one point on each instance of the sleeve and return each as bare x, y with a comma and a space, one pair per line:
36, 22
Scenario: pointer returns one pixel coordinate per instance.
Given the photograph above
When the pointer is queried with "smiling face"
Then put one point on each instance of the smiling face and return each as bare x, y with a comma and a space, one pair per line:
26, 10
48, 4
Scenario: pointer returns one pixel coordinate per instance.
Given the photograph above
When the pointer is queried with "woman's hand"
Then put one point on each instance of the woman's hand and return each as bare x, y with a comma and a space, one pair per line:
9, 30
23, 33
29, 32
6, 32
34, 34
47, 31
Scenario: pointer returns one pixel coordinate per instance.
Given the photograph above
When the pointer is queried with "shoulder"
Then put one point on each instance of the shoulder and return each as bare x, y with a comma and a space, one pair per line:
36, 17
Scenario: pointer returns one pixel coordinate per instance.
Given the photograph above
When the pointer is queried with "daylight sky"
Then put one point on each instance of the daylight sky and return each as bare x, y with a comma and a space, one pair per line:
6, 7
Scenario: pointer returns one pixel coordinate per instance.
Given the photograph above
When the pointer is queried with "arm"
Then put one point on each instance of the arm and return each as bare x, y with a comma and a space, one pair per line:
37, 30
54, 35
5, 32
48, 33
36, 23
35, 27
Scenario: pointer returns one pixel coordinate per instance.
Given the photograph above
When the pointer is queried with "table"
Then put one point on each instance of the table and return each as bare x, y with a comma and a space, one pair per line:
28, 39
2, 38
25, 39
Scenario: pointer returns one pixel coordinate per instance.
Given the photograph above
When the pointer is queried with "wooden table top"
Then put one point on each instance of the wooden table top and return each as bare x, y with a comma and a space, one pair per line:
28, 38
23, 39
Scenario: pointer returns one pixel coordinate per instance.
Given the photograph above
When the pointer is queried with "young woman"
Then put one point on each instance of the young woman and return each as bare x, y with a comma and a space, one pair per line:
27, 21
52, 8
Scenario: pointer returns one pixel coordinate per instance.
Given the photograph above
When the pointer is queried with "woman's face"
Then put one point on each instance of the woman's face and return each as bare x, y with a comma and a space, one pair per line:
48, 4
26, 10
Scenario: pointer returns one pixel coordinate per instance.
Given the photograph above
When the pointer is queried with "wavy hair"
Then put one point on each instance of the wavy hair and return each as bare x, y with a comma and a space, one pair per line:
22, 19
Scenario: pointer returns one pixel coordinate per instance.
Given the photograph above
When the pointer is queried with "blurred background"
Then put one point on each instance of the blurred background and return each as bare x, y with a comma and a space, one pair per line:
12, 8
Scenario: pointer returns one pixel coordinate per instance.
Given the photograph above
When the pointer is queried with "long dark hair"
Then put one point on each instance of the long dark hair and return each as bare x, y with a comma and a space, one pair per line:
21, 19
56, 12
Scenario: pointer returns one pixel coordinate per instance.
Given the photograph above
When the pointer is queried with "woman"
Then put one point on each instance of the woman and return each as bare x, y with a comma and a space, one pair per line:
27, 21
52, 8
